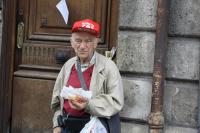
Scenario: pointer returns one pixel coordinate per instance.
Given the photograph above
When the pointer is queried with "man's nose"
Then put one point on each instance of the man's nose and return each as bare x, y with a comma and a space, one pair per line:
83, 44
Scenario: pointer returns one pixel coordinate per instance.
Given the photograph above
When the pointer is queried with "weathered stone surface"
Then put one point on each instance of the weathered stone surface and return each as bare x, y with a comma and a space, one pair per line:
170, 129
138, 13
184, 17
133, 128
137, 98
136, 51
180, 103
183, 58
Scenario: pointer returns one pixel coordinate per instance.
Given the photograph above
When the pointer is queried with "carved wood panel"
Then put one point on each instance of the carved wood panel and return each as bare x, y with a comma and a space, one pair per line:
46, 34
45, 55
31, 105
51, 56
46, 23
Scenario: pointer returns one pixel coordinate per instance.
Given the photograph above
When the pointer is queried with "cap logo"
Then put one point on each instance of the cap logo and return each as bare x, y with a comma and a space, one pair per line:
87, 25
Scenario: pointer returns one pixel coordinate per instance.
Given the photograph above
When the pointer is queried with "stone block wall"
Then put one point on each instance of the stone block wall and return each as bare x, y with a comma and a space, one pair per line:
135, 55
181, 90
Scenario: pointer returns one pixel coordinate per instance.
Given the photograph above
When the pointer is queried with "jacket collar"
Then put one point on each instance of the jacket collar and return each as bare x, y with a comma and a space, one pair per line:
100, 64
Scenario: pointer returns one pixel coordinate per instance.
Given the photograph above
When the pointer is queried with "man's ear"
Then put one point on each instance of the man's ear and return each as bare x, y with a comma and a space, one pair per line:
71, 41
95, 44
97, 40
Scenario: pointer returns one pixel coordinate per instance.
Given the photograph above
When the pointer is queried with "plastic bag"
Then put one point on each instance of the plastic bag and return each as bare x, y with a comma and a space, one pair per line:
94, 126
66, 92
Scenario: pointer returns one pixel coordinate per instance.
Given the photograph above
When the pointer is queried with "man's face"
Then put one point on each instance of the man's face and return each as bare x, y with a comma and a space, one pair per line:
84, 45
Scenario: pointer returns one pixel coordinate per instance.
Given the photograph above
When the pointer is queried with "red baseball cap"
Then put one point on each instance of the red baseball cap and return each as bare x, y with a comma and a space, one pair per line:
87, 25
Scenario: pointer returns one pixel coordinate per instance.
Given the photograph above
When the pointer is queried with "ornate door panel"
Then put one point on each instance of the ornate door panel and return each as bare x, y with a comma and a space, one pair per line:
42, 46
46, 36
31, 112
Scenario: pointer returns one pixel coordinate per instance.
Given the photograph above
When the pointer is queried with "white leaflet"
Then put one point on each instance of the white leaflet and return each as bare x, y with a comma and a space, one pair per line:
66, 92
62, 7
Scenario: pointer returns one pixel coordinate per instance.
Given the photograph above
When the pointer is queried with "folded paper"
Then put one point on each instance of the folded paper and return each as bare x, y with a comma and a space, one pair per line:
62, 7
67, 92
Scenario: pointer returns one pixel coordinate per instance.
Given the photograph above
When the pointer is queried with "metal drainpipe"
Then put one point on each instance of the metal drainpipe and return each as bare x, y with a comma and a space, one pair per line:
156, 117
198, 119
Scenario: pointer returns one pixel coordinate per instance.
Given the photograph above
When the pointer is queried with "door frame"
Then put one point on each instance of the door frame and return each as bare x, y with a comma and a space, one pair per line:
7, 63
8, 51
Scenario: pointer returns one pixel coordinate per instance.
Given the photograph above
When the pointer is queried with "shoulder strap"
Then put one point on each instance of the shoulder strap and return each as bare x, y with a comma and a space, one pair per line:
80, 76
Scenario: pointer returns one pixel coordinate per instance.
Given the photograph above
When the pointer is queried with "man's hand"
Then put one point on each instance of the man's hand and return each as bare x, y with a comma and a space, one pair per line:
57, 130
78, 103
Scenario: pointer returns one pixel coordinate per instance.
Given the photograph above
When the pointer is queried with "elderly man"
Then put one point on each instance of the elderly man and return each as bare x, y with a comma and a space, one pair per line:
100, 76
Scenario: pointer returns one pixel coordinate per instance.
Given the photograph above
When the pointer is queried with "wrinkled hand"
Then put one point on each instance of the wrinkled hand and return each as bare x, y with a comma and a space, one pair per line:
79, 103
57, 130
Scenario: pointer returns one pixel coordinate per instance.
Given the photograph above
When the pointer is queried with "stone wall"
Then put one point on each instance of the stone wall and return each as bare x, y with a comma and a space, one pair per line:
135, 55
181, 92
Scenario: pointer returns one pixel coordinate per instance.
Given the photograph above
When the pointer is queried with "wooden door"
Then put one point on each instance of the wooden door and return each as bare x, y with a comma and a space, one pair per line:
40, 43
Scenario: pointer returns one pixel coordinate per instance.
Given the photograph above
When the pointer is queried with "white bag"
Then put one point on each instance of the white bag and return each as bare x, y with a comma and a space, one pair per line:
94, 126
66, 92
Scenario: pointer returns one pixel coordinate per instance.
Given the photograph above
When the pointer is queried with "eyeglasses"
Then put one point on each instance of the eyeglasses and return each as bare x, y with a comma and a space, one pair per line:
79, 41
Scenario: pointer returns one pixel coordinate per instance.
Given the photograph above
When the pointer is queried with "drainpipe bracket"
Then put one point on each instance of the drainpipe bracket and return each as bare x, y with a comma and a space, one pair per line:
156, 120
